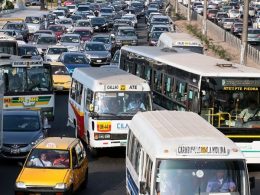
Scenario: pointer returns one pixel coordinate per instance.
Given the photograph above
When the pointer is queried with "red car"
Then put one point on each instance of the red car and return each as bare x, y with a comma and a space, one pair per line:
59, 30
69, 2
84, 32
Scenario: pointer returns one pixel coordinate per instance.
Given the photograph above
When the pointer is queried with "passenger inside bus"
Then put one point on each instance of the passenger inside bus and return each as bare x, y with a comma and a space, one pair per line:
136, 103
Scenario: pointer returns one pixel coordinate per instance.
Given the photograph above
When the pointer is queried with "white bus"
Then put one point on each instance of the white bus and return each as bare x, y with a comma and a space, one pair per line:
179, 153
180, 40
102, 101
8, 44
28, 84
218, 90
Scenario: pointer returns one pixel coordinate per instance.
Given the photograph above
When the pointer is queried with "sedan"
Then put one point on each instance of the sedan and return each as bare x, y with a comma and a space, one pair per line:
53, 52
106, 39
22, 129
99, 24
254, 36
97, 53
45, 40
74, 60
71, 41
59, 30
84, 32
29, 50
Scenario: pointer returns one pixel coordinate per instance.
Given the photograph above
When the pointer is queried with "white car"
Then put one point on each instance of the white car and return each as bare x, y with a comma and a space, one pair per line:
256, 24
60, 14
53, 52
199, 9
67, 22
132, 18
233, 13
72, 8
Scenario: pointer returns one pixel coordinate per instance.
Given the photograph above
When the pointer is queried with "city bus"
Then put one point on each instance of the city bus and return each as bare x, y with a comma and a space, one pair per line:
101, 105
180, 40
8, 44
176, 152
218, 90
28, 84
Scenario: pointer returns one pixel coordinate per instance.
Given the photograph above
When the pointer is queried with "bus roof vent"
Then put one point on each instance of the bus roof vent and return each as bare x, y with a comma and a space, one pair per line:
168, 49
5, 56
222, 65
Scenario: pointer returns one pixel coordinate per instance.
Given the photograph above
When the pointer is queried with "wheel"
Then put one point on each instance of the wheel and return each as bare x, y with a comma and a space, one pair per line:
84, 184
93, 151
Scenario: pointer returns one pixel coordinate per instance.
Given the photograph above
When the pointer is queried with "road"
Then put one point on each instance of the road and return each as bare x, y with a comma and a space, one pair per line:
106, 173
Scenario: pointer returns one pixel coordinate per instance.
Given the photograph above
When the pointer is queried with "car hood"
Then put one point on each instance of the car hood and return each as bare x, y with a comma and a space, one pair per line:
43, 46
49, 177
70, 44
53, 57
61, 78
126, 38
97, 53
24, 137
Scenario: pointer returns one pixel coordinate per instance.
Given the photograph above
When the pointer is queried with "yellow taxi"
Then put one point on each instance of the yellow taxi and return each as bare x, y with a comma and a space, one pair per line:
56, 165
61, 77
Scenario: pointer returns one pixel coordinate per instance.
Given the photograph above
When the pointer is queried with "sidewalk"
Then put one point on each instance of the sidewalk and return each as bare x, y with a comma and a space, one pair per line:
231, 51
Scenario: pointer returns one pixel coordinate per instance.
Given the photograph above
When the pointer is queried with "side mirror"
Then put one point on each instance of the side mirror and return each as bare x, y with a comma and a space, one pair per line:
252, 182
142, 187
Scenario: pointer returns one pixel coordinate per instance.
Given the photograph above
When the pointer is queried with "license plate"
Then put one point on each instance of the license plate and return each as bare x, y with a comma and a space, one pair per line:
99, 60
123, 143
15, 151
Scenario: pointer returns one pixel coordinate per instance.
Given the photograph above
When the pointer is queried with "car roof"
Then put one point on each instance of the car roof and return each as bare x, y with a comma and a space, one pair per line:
60, 143
101, 35
70, 34
159, 16
46, 35
125, 27
94, 42
72, 53
21, 112
57, 46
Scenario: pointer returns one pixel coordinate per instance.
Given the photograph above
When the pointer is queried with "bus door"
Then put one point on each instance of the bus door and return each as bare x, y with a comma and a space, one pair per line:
87, 109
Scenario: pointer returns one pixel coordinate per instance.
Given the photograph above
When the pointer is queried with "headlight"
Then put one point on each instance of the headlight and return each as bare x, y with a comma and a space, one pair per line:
37, 141
60, 186
20, 184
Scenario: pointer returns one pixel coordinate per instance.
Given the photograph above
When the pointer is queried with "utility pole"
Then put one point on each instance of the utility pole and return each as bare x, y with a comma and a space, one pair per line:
176, 6
204, 21
189, 11
243, 51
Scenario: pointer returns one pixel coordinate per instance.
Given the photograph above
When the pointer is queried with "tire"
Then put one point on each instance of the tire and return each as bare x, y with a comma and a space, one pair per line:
93, 151
84, 184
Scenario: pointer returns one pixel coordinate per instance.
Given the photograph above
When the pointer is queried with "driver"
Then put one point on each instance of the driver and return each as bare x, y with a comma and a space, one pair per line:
136, 103
249, 112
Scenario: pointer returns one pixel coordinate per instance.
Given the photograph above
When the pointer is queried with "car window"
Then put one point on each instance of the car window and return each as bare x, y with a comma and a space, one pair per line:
95, 47
70, 39
56, 51
28, 51
75, 59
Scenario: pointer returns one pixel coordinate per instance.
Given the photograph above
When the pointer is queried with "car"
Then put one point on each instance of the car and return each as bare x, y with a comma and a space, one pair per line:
226, 23
84, 32
34, 23
51, 19
61, 77
154, 37
139, 7
74, 60
107, 39
67, 22
82, 8
56, 165
149, 11
53, 52
29, 50
71, 41
253, 36
132, 18
233, 13
45, 40
211, 14
83, 23
58, 29
99, 24
72, 8
75, 18
107, 12
22, 129
21, 27
13, 33
61, 14
237, 28
219, 16
160, 27
199, 9
126, 35
97, 53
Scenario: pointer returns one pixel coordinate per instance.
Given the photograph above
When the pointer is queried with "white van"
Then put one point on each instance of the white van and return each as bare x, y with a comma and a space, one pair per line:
102, 101
180, 40
174, 152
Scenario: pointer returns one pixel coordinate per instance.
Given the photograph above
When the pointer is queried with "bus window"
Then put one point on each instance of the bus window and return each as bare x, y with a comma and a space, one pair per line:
168, 86
138, 71
148, 172
79, 93
193, 101
181, 91
89, 98
148, 74
73, 89
158, 81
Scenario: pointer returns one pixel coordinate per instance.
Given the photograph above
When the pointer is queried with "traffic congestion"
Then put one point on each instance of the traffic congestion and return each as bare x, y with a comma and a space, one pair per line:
112, 98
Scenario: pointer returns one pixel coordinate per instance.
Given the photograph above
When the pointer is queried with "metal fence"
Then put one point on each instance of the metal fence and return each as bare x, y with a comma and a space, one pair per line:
220, 34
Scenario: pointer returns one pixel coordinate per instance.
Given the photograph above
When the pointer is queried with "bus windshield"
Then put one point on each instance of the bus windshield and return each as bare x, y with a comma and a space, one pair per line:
9, 47
195, 49
121, 103
202, 176
20, 80
231, 102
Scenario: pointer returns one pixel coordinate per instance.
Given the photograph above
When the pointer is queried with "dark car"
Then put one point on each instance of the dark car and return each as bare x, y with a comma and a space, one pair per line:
85, 33
74, 60
97, 53
29, 50
237, 28
45, 40
154, 37
20, 27
22, 129
99, 24
107, 39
